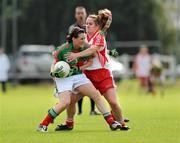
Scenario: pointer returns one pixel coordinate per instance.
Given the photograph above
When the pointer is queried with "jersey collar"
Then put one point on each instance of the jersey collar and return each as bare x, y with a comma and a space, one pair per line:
89, 38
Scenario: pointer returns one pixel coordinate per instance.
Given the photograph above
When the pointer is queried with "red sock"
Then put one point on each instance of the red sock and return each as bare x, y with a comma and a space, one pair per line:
69, 123
47, 120
113, 115
109, 119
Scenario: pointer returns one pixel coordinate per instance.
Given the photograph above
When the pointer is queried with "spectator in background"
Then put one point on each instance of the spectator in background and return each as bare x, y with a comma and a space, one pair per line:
80, 16
142, 68
4, 68
156, 76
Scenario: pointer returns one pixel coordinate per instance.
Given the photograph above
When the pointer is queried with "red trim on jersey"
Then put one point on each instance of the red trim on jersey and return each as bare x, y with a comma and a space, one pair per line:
98, 40
89, 38
102, 57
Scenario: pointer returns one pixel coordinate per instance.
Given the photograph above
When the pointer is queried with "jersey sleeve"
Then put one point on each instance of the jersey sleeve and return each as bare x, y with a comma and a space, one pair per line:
57, 51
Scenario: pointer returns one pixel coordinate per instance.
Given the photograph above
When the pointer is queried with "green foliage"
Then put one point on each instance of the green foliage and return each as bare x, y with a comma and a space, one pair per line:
166, 31
46, 22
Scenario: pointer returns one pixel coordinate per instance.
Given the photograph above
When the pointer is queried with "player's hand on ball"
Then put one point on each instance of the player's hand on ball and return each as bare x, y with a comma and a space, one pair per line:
71, 56
57, 74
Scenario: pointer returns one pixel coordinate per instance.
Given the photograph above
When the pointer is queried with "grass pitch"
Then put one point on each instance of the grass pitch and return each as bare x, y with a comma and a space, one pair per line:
153, 119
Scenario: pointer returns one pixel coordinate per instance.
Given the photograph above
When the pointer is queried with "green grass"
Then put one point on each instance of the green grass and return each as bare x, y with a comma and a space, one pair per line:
154, 119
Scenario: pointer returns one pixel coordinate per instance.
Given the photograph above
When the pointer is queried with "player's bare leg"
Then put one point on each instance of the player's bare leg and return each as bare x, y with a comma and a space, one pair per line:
71, 110
94, 94
64, 101
111, 97
100, 105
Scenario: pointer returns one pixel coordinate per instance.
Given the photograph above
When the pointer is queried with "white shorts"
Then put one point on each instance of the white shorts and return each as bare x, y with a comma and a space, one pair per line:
71, 83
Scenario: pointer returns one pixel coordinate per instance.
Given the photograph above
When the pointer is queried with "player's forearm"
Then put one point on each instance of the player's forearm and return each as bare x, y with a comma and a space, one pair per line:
84, 66
90, 51
87, 64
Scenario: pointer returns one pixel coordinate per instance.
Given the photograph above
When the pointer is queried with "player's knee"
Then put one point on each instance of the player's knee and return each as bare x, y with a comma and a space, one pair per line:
65, 103
68, 103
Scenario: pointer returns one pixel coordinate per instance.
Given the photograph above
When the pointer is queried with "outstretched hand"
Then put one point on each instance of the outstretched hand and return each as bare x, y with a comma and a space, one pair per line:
71, 56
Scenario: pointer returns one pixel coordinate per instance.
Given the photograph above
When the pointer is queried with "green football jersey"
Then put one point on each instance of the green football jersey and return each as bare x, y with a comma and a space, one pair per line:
61, 52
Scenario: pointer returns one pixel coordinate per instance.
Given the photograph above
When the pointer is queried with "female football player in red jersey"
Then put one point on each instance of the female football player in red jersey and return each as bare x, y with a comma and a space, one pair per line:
99, 72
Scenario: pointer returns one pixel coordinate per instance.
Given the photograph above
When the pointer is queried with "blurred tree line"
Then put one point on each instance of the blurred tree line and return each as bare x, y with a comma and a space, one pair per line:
46, 21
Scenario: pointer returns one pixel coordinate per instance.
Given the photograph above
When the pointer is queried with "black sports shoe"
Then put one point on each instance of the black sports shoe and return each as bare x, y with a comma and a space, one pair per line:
115, 126
42, 128
124, 128
63, 128
126, 120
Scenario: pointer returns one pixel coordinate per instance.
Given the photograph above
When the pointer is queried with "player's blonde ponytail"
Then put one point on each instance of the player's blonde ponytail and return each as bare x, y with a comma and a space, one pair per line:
105, 18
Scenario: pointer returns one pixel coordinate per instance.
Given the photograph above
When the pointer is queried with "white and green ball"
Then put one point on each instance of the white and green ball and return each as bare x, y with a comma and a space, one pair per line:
62, 69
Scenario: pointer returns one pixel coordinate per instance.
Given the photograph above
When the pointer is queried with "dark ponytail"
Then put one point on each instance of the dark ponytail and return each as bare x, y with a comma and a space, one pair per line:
74, 34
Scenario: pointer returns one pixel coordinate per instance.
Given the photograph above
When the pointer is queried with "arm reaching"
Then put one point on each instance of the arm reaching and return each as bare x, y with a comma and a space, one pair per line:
90, 51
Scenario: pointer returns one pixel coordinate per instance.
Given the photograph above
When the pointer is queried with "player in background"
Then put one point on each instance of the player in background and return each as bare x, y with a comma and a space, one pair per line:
4, 68
75, 82
142, 69
99, 72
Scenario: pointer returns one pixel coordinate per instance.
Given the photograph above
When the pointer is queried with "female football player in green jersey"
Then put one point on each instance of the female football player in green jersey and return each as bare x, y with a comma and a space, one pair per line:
76, 81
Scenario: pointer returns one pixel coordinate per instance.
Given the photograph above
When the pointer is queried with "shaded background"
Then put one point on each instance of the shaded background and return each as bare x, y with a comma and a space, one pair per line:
46, 22
153, 22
